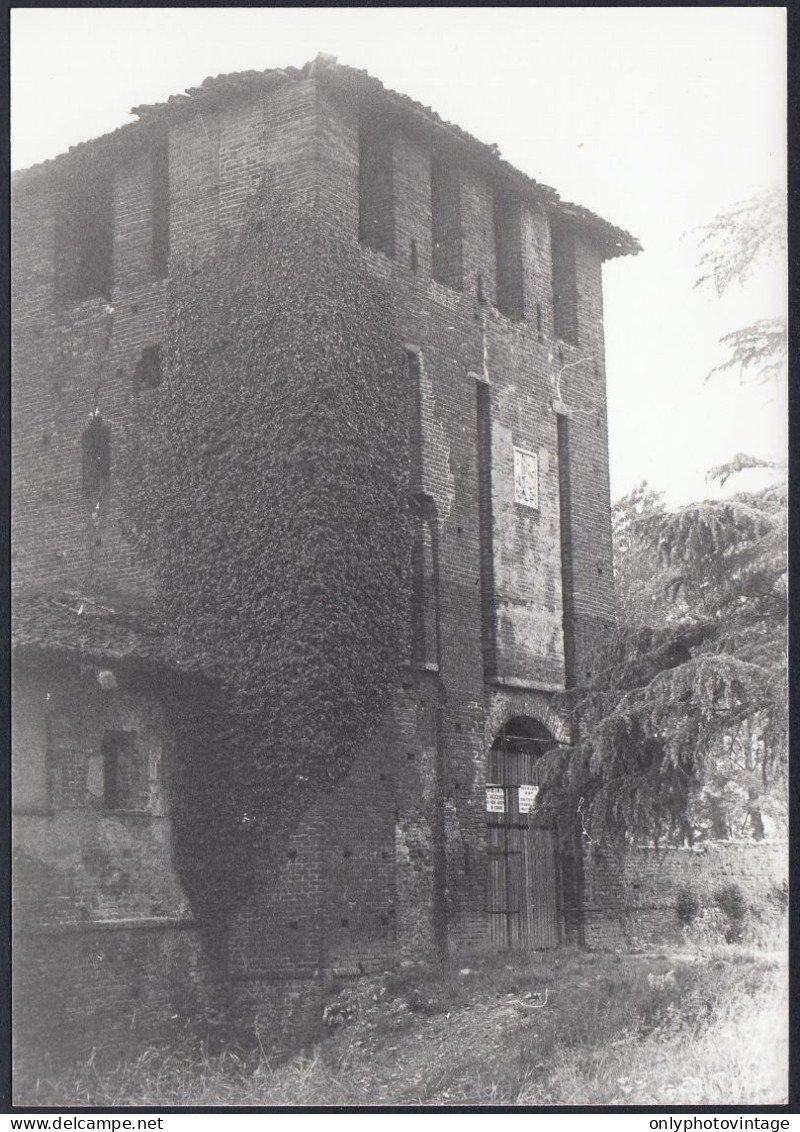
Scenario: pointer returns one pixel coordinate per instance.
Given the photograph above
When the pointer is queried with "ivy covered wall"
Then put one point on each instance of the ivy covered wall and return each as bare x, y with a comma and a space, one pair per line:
266, 491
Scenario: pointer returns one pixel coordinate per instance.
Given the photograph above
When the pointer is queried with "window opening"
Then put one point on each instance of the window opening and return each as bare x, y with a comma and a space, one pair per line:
446, 224
414, 261
414, 394
565, 290
147, 374
376, 187
508, 255
425, 633
96, 452
122, 772
84, 237
486, 524
567, 574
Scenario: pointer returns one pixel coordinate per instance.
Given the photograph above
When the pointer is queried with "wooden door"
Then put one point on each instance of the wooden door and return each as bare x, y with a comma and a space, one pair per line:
524, 903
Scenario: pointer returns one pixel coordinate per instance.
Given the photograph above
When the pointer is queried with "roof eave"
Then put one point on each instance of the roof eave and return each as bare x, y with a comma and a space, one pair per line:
221, 89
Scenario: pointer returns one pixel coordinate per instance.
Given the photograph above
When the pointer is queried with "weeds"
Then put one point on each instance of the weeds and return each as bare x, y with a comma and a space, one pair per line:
615, 1030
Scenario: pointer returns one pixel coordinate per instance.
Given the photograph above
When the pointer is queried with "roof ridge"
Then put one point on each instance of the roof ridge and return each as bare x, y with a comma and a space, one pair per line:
216, 88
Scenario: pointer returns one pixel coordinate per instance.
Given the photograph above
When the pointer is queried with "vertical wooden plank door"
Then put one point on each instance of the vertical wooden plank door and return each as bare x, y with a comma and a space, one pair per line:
524, 903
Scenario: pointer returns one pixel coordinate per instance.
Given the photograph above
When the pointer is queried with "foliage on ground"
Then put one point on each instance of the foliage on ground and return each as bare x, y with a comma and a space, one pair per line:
524, 1029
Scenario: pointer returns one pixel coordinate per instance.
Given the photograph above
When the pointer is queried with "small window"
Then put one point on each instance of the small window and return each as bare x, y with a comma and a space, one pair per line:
446, 224
414, 256
147, 374
123, 785
96, 452
159, 196
84, 236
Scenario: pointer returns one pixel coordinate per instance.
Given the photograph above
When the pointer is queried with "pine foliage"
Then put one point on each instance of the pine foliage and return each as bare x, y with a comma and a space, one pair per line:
683, 731
735, 241
732, 246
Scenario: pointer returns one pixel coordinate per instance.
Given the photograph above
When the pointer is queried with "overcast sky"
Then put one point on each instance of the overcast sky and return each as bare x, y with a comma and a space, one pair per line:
657, 118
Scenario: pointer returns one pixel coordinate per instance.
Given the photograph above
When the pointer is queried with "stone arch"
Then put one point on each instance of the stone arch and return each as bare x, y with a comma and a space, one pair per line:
535, 705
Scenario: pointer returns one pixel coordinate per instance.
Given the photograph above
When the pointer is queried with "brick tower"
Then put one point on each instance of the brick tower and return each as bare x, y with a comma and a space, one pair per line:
433, 840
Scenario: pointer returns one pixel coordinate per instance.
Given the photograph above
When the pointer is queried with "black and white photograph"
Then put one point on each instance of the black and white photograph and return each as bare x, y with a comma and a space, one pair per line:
399, 558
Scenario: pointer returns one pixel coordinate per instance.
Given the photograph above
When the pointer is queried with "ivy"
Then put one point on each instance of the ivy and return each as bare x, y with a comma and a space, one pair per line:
266, 490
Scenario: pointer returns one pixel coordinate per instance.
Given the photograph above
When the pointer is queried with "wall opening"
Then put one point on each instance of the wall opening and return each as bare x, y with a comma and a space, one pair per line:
485, 525
424, 594
159, 201
524, 883
96, 457
376, 186
446, 224
508, 255
565, 289
414, 394
567, 570
123, 785
84, 236
147, 374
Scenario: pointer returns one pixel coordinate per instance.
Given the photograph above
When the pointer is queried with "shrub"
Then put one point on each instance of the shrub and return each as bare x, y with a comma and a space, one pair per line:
779, 895
730, 899
687, 906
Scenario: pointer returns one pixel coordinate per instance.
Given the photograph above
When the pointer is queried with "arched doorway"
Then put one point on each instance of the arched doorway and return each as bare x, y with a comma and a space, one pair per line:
524, 888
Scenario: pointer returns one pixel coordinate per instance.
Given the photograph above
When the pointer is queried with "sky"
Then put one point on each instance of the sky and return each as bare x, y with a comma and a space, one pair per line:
656, 118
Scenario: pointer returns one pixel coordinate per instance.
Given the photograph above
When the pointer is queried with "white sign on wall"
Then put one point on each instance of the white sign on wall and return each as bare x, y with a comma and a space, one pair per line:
526, 478
495, 800
527, 798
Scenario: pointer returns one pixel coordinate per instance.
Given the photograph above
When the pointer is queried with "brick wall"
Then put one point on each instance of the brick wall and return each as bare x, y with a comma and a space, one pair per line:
76, 859
633, 900
460, 338
108, 987
105, 952
587, 546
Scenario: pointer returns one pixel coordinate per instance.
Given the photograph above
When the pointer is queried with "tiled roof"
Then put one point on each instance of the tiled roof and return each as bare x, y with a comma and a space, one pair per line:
218, 90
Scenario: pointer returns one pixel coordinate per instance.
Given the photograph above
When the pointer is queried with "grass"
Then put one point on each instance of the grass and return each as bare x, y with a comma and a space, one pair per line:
555, 1028
734, 1054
